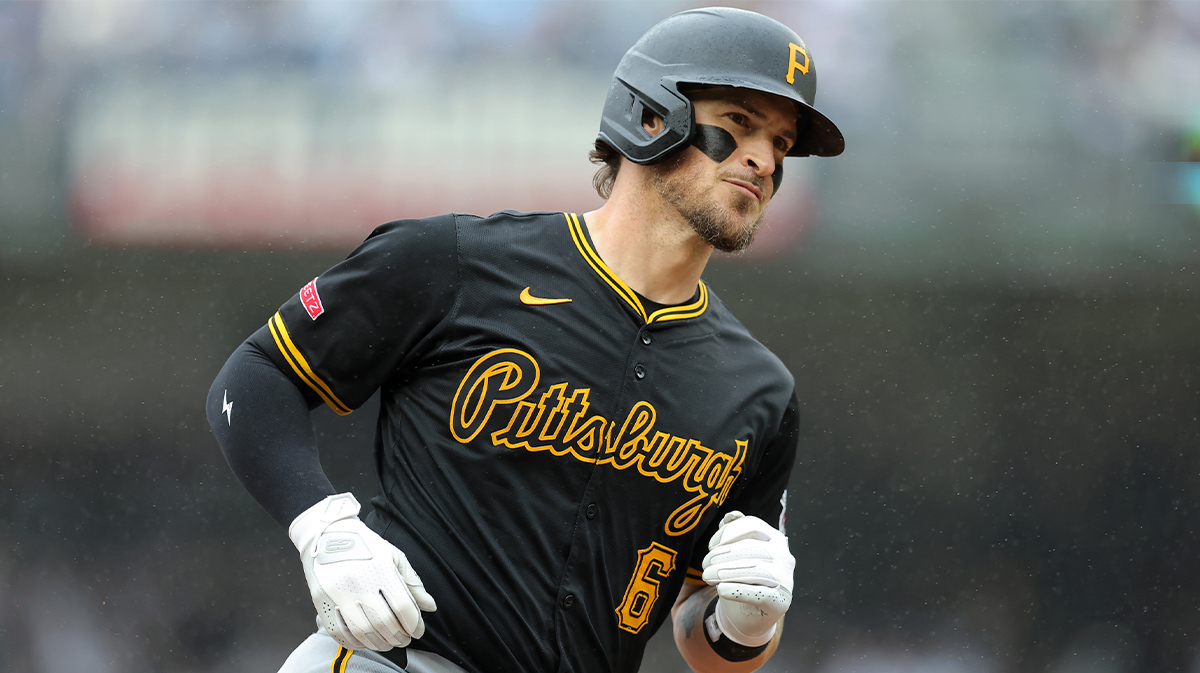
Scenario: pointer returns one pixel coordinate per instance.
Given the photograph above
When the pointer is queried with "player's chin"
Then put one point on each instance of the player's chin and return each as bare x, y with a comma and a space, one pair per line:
736, 239
745, 222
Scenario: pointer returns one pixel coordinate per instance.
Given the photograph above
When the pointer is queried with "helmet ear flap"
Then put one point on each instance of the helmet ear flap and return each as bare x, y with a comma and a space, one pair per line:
637, 116
627, 106
644, 116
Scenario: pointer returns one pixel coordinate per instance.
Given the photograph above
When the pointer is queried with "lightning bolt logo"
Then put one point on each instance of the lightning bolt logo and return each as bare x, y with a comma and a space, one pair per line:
227, 407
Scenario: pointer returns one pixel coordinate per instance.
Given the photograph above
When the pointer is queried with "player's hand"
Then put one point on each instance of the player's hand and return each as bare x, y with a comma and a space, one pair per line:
365, 591
751, 566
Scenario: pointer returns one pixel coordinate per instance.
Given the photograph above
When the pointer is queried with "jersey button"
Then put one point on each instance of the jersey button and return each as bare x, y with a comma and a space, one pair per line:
639, 371
592, 510
568, 601
646, 338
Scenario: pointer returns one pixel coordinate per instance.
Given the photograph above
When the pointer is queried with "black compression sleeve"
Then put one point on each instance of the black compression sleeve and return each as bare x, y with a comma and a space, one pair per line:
261, 422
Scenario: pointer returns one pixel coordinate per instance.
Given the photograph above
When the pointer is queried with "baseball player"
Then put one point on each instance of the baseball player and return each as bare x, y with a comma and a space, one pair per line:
576, 439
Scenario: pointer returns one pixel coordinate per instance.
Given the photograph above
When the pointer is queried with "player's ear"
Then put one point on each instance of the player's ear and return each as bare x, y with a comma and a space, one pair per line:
653, 124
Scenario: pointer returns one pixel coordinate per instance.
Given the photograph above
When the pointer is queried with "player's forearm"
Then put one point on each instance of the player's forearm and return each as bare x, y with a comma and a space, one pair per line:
699, 651
261, 421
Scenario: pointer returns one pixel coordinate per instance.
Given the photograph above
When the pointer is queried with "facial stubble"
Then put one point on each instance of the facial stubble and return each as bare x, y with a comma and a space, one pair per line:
713, 223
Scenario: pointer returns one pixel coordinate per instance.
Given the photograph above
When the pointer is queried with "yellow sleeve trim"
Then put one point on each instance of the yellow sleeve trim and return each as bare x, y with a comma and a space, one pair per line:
299, 365
695, 582
341, 660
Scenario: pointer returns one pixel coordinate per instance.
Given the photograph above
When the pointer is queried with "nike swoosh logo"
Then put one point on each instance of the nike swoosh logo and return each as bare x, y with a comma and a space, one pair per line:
531, 300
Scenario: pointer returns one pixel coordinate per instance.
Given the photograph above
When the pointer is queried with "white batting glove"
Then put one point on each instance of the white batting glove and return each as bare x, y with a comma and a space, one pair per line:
751, 566
365, 591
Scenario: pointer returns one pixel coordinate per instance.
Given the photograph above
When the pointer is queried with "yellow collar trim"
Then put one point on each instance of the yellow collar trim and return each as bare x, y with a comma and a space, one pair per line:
624, 291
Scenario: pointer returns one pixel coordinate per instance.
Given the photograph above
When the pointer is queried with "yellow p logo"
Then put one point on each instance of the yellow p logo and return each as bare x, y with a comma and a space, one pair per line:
794, 65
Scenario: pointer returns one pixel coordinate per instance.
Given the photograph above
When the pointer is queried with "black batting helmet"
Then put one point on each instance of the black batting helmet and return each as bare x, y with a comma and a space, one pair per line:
718, 46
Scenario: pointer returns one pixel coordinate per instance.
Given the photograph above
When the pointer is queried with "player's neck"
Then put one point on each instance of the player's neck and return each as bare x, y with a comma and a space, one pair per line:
648, 245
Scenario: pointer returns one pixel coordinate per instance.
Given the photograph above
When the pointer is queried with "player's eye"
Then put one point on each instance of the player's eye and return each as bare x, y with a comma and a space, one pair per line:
739, 119
781, 145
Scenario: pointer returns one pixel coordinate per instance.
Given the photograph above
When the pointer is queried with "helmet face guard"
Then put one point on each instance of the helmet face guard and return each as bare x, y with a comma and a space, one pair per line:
716, 46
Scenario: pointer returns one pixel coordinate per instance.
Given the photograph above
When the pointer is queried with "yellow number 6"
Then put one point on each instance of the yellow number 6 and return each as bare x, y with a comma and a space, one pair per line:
655, 564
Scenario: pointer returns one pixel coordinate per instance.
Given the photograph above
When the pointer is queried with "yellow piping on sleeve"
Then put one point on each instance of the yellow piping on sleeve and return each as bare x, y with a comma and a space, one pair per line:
299, 365
341, 660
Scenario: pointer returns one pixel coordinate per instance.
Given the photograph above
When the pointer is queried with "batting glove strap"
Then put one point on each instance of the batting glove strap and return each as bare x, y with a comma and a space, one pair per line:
730, 629
726, 647
365, 592
313, 521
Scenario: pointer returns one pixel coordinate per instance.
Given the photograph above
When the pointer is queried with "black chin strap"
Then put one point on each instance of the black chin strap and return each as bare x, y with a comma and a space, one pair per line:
718, 144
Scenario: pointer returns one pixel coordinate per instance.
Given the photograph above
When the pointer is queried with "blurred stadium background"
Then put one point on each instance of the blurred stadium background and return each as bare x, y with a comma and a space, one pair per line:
990, 303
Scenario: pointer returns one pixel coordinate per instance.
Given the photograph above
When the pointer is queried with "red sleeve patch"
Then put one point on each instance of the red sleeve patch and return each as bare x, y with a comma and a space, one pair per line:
311, 299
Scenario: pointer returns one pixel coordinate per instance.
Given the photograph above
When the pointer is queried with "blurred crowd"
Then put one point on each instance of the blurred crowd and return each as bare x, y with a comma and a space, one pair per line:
1017, 83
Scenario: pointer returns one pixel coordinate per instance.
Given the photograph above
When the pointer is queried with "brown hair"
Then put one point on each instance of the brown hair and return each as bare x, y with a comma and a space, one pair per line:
609, 161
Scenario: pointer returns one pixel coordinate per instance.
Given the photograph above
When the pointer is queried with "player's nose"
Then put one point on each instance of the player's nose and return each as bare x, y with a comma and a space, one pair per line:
759, 156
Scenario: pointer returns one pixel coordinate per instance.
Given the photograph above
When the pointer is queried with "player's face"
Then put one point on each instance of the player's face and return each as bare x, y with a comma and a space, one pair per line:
725, 201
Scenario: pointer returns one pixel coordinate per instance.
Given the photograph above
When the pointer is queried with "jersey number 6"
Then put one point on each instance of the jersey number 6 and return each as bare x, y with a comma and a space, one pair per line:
654, 566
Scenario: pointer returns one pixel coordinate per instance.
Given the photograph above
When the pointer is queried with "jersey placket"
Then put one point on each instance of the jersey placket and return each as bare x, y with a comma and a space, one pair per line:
637, 372
589, 509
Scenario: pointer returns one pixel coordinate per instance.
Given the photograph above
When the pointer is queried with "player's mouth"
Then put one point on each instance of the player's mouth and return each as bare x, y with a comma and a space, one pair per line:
750, 188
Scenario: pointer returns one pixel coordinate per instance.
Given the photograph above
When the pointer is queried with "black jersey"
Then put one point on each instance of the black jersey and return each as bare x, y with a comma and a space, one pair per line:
553, 458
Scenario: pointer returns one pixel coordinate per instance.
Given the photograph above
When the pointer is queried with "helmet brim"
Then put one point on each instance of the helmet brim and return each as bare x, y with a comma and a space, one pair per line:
822, 139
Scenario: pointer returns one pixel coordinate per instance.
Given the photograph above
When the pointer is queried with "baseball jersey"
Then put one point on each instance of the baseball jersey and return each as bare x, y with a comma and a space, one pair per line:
553, 456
